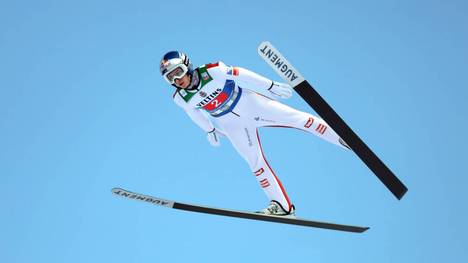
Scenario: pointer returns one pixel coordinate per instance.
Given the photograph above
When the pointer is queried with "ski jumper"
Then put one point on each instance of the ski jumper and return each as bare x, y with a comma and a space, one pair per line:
223, 92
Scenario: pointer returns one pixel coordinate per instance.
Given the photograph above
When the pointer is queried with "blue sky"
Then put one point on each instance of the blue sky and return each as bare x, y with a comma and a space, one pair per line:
84, 109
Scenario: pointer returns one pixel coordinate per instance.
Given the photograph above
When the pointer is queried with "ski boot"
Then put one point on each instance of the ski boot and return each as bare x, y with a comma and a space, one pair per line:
275, 209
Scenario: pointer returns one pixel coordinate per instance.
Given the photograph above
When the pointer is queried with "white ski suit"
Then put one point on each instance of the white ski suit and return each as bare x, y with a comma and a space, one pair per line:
239, 112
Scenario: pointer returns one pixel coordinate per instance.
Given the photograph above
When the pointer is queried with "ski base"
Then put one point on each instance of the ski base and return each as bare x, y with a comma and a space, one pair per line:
239, 214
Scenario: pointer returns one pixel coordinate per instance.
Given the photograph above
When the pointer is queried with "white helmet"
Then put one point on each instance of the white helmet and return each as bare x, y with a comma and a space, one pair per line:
174, 65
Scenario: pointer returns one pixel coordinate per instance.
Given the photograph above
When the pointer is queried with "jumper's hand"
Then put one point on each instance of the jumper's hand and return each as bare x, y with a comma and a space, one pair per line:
281, 90
214, 137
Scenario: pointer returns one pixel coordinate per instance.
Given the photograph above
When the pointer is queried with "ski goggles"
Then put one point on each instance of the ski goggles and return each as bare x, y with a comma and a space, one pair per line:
175, 73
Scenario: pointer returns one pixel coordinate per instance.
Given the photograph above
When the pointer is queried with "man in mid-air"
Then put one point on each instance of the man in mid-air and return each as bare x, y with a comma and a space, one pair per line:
226, 93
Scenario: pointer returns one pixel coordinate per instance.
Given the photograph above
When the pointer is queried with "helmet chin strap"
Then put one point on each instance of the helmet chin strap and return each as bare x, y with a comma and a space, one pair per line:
194, 80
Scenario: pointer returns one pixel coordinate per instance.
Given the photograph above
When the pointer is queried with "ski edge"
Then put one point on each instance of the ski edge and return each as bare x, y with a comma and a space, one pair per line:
238, 214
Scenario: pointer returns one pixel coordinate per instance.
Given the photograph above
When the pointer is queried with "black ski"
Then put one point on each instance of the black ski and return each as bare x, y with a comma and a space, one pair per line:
277, 61
233, 213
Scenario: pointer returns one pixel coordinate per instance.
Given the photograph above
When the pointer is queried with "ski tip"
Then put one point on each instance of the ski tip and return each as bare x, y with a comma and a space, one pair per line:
279, 63
264, 43
115, 190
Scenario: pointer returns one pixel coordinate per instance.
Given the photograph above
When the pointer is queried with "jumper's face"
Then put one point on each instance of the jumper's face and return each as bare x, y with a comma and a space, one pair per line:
183, 82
